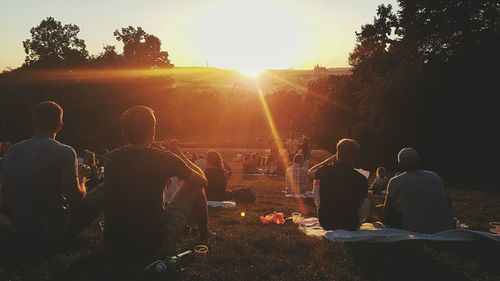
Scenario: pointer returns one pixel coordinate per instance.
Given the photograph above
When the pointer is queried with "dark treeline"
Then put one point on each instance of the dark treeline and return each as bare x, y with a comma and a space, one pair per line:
423, 76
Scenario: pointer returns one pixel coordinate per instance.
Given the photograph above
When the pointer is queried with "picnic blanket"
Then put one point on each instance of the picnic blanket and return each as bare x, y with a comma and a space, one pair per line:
307, 194
375, 233
261, 174
223, 204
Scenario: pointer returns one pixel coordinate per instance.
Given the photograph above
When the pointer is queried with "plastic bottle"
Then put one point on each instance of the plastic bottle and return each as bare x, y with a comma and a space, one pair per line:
172, 264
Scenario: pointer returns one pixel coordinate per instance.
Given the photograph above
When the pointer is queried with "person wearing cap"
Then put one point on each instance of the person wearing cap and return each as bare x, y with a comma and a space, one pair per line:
416, 199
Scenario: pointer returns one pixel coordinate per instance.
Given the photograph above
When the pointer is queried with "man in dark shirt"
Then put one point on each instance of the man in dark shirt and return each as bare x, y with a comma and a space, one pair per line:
137, 226
342, 189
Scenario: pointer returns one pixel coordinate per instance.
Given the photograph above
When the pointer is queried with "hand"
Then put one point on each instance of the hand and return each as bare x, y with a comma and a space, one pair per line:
84, 171
173, 145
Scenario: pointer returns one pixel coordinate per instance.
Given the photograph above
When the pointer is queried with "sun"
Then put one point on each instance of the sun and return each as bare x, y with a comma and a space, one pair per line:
249, 36
251, 72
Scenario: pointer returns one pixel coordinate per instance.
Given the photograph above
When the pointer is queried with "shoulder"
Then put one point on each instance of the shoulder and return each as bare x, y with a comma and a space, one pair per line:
64, 148
327, 169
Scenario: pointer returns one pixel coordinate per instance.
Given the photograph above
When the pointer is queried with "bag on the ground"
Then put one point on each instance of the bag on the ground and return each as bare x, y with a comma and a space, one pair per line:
243, 195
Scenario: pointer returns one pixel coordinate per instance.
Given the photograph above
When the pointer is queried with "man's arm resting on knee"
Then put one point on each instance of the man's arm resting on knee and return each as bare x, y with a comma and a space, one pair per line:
73, 188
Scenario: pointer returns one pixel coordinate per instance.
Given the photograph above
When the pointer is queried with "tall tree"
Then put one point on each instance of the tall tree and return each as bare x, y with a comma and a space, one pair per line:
142, 49
53, 44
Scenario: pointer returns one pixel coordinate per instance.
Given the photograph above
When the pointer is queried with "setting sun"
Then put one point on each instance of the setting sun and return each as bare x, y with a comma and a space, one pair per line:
251, 72
250, 36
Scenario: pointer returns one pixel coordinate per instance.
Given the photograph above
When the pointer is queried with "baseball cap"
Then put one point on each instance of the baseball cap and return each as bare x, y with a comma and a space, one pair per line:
408, 156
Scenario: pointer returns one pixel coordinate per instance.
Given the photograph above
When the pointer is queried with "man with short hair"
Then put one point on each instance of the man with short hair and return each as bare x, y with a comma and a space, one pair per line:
296, 176
41, 187
138, 228
417, 199
343, 189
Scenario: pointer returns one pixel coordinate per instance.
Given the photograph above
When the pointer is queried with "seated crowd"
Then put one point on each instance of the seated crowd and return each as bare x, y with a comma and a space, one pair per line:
416, 199
151, 188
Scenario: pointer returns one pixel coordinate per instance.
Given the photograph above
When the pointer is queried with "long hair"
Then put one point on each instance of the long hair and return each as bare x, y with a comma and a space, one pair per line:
214, 159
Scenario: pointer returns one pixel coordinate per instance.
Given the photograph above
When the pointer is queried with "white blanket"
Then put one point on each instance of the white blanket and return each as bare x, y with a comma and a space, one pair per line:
223, 204
307, 194
373, 233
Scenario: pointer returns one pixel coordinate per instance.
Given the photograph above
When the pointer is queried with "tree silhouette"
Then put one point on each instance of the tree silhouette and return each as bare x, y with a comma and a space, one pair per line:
109, 57
53, 44
141, 49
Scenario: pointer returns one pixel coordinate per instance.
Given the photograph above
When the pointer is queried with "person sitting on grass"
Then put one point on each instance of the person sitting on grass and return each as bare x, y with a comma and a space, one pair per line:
296, 176
270, 164
380, 182
248, 165
201, 162
416, 199
343, 189
138, 229
227, 168
44, 194
216, 177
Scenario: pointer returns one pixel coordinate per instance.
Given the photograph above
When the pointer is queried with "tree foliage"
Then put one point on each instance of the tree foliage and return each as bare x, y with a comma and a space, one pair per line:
142, 49
52, 44
423, 76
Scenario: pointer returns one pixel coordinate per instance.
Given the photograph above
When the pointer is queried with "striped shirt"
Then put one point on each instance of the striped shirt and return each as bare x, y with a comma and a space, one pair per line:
296, 179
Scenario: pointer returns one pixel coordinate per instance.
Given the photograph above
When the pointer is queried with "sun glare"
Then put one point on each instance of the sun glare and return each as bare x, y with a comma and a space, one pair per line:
251, 72
250, 36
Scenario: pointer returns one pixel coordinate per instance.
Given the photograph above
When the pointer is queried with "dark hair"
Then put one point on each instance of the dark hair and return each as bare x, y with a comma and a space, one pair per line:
214, 159
137, 123
380, 172
298, 159
347, 150
47, 116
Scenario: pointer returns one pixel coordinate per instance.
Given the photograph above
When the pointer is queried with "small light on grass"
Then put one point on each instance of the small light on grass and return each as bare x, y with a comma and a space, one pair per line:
242, 213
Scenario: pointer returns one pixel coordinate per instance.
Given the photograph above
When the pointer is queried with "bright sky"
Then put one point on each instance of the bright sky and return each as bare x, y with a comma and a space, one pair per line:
237, 34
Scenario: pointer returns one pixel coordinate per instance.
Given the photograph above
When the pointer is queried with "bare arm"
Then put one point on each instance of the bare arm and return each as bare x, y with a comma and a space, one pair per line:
173, 146
73, 188
312, 172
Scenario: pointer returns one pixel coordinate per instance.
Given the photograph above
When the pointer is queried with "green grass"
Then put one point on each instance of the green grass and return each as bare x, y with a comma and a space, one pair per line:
244, 249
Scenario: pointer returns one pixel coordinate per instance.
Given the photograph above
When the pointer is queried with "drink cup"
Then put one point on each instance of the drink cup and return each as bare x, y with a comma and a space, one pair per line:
296, 217
201, 252
495, 227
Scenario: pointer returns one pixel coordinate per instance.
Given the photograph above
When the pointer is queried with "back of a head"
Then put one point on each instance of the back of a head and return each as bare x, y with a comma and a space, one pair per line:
347, 150
380, 172
214, 159
408, 158
137, 123
47, 117
298, 159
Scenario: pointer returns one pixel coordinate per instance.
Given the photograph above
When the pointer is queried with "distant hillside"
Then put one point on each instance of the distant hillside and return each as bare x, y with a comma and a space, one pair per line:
189, 78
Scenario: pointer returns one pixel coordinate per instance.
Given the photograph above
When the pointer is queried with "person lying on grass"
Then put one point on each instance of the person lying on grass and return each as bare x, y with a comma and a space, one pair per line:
44, 194
343, 189
138, 229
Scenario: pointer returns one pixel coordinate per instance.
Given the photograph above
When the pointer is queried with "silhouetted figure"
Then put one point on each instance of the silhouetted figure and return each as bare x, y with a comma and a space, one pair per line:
342, 188
44, 191
416, 199
216, 177
296, 176
137, 228
380, 182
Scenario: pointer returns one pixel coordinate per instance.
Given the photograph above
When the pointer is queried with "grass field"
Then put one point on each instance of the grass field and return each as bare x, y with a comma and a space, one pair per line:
244, 249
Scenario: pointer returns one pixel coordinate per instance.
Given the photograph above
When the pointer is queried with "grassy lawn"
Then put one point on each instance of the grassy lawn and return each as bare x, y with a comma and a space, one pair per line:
244, 249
